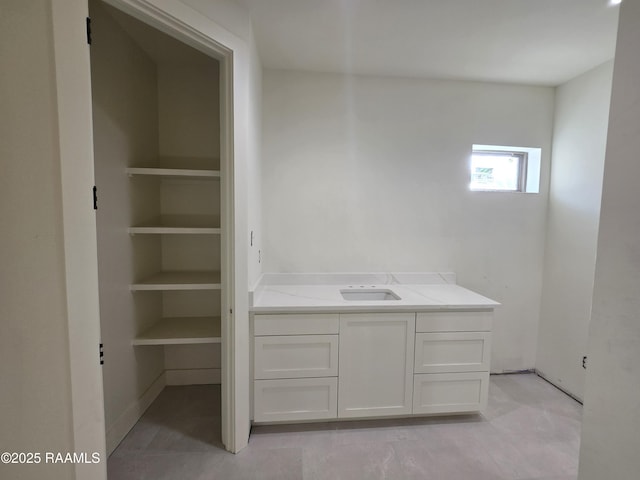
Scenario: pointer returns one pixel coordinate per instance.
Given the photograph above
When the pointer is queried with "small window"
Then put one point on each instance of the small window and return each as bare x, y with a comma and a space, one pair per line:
504, 169
499, 171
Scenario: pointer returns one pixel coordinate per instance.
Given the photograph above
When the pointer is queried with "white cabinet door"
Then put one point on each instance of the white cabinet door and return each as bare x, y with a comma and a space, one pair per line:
452, 352
295, 399
296, 356
450, 392
376, 364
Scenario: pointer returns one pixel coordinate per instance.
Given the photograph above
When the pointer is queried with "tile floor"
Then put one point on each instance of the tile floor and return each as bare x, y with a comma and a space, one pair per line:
530, 431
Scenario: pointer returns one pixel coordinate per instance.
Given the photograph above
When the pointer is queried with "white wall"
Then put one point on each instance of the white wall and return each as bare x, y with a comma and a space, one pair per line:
230, 14
371, 174
189, 126
189, 106
611, 421
255, 169
35, 395
579, 141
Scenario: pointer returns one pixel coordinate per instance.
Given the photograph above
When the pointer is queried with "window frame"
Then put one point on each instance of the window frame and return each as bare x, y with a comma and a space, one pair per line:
522, 169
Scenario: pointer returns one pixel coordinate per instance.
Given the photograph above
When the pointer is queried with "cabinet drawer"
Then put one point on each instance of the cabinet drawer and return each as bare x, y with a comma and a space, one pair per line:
295, 356
454, 321
450, 392
296, 324
295, 399
452, 352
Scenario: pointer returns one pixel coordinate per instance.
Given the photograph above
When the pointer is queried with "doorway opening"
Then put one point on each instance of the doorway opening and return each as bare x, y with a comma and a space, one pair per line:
162, 172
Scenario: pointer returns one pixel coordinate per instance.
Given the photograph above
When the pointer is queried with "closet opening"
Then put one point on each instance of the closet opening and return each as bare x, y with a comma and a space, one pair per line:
163, 186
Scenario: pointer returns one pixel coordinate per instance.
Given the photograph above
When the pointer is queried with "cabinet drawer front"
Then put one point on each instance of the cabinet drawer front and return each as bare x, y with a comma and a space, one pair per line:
296, 356
452, 352
454, 321
298, 324
450, 392
295, 399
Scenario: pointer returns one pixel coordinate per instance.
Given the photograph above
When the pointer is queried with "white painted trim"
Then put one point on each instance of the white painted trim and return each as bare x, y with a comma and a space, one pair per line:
132, 414
227, 268
182, 22
75, 133
194, 376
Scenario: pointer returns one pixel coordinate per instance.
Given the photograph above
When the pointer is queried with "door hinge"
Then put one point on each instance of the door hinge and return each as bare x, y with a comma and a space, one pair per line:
89, 30
95, 197
101, 354
584, 362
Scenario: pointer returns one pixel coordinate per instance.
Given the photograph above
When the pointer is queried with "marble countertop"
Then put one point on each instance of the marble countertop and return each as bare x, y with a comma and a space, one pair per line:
304, 293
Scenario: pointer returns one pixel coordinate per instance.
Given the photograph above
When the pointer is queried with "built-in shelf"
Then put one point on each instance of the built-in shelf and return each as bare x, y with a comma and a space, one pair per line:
173, 172
181, 331
180, 281
179, 224
194, 167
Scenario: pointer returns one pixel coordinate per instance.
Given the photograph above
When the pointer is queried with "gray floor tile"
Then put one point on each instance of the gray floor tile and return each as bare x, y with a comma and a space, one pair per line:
123, 466
372, 431
563, 477
265, 464
351, 461
420, 462
291, 436
530, 431
169, 466
138, 438
190, 434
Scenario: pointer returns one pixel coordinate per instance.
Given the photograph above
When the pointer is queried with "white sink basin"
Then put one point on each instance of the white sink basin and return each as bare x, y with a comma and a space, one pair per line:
369, 294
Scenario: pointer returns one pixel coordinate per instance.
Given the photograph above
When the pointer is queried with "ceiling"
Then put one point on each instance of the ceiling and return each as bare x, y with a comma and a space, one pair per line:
539, 42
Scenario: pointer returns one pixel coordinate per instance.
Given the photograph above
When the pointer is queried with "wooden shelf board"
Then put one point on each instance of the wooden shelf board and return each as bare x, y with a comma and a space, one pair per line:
189, 163
181, 331
174, 230
173, 172
180, 281
179, 224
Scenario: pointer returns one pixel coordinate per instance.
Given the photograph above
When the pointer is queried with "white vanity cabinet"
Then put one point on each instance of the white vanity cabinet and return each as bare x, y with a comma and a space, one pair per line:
376, 357
295, 367
349, 365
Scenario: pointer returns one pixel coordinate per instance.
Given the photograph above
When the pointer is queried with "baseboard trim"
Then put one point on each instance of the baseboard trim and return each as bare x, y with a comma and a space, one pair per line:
195, 376
126, 421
